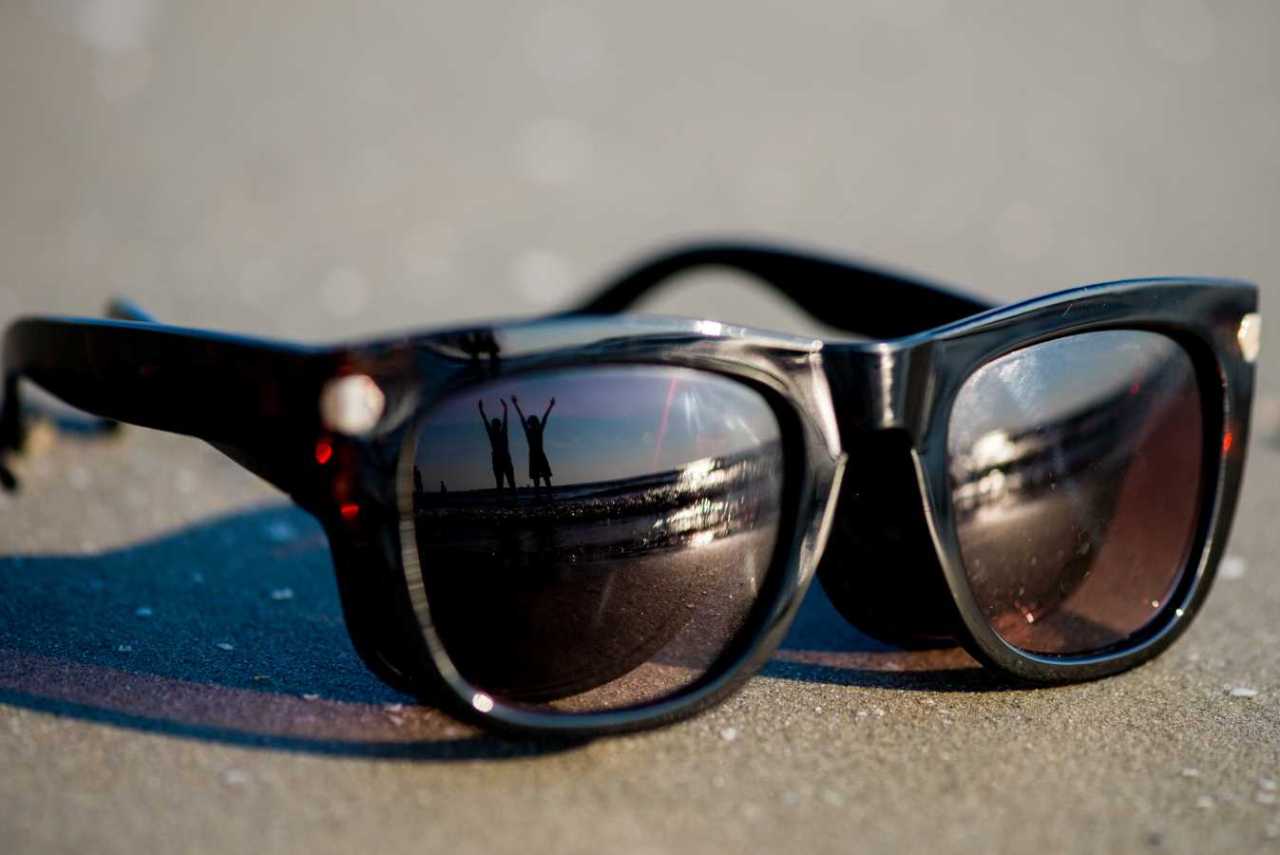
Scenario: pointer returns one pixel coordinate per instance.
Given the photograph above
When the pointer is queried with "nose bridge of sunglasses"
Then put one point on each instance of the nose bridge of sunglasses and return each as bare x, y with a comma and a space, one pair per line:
880, 569
873, 384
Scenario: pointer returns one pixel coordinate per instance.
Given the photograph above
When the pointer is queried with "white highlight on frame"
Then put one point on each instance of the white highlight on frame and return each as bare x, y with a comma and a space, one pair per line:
1249, 336
352, 405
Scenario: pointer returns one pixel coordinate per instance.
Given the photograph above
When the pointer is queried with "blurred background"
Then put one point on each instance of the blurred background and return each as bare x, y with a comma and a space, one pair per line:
174, 674
319, 169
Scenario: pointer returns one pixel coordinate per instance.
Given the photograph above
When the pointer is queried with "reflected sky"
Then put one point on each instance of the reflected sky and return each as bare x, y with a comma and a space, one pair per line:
1049, 382
608, 423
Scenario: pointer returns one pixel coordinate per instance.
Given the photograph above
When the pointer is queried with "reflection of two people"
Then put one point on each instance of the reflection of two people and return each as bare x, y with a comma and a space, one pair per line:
500, 449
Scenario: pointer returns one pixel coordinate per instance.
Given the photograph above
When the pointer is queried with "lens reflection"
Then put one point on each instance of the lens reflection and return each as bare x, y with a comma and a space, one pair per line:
594, 538
1076, 471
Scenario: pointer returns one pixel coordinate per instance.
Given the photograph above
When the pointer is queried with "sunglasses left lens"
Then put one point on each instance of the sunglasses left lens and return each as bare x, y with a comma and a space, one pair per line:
594, 538
1076, 469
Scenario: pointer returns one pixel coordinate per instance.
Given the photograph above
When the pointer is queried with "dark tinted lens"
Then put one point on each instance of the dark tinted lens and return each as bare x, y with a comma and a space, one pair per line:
603, 551
1076, 473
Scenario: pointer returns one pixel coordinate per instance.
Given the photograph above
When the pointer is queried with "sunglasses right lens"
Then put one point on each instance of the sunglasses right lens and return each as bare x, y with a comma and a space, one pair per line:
595, 538
1076, 471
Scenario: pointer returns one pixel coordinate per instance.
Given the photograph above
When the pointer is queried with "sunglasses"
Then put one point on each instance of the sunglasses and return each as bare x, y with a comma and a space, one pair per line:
597, 521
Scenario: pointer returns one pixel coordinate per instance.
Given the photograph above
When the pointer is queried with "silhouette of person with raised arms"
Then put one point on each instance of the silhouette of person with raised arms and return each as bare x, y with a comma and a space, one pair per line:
500, 452
539, 466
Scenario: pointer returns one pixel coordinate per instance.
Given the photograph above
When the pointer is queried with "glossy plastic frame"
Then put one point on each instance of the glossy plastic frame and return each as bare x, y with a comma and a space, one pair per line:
258, 401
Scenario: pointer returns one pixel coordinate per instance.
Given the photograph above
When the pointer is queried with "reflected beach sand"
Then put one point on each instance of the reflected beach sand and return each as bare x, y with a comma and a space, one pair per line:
622, 590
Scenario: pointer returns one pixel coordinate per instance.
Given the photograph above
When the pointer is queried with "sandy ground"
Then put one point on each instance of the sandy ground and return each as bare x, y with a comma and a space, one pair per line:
174, 675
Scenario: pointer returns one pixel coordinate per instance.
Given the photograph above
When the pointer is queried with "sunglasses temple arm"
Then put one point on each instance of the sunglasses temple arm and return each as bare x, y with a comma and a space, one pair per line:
846, 295
12, 432
236, 393
12, 429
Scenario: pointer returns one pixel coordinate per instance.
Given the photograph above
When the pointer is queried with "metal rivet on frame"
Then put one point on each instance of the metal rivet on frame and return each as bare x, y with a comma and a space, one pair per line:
1249, 336
352, 405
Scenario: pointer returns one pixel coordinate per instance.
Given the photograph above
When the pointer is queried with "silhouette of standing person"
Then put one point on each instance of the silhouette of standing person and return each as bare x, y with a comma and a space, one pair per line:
539, 466
418, 492
499, 450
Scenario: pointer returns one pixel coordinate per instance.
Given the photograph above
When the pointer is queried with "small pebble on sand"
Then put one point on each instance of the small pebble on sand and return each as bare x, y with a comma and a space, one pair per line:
1232, 567
235, 777
281, 531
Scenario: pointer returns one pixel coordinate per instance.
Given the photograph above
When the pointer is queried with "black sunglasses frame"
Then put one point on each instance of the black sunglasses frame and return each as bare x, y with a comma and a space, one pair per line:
258, 401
